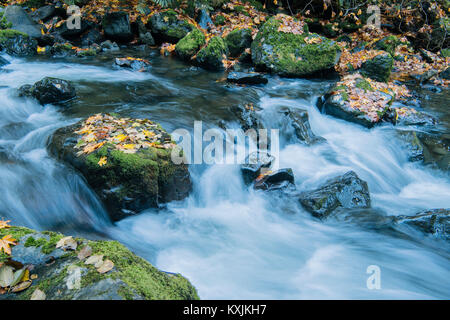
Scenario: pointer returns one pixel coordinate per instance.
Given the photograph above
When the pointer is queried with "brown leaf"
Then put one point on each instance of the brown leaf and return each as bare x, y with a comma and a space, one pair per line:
21, 286
106, 266
84, 253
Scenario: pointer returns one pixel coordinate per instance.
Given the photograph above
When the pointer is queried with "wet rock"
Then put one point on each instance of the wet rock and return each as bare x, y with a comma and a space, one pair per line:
436, 149
45, 13
129, 182
188, 46
425, 76
21, 21
412, 117
414, 147
255, 164
289, 54
3, 62
346, 191
238, 40
116, 26
63, 49
204, 20
211, 57
50, 90
246, 78
62, 276
147, 38
166, 27
17, 43
277, 180
435, 222
298, 121
248, 117
134, 64
445, 74
72, 34
109, 46
378, 68
91, 37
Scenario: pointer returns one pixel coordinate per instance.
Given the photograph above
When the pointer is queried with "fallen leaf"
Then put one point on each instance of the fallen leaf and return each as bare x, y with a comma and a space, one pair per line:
5, 243
84, 253
106, 266
96, 260
102, 161
38, 295
67, 243
4, 224
18, 275
21, 286
6, 276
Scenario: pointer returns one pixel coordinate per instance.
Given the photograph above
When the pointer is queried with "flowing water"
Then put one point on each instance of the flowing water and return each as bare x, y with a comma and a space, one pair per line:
231, 242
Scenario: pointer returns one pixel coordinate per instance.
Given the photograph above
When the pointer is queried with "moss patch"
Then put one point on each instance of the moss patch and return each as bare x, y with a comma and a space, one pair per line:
187, 47
211, 56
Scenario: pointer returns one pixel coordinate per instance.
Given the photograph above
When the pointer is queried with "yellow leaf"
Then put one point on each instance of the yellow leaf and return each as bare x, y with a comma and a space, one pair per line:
102, 161
129, 146
4, 224
120, 137
5, 243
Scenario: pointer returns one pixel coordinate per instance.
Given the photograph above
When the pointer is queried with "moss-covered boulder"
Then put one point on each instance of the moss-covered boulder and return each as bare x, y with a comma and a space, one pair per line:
17, 43
187, 47
68, 275
167, 27
378, 68
127, 162
298, 53
388, 44
238, 40
211, 57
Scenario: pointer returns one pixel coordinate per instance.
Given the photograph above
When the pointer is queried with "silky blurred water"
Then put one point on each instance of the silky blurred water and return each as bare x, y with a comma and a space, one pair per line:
231, 242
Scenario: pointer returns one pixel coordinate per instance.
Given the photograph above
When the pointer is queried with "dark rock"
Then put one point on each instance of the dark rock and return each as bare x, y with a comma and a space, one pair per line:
415, 118
298, 120
72, 34
254, 164
116, 26
109, 46
45, 13
17, 43
204, 20
21, 21
425, 76
51, 90
91, 37
436, 39
378, 68
388, 44
246, 78
277, 180
435, 222
445, 74
3, 62
211, 57
289, 54
414, 147
247, 116
129, 183
346, 191
25, 91
63, 49
238, 40
166, 27
135, 64
145, 35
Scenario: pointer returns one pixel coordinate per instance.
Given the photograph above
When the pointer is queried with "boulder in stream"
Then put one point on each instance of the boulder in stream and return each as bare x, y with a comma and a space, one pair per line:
238, 40
279, 179
86, 270
136, 64
22, 22
17, 43
378, 68
168, 27
345, 191
189, 45
127, 162
435, 222
254, 165
50, 90
282, 49
246, 78
212, 55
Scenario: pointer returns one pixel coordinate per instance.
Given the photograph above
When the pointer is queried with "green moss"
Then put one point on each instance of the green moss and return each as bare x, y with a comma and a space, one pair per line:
4, 24
364, 85
388, 44
190, 44
47, 246
238, 40
288, 54
10, 33
141, 276
445, 52
211, 56
219, 20
87, 53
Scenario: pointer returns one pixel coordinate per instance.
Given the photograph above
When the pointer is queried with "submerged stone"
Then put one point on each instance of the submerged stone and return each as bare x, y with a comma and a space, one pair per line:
246, 78
50, 90
435, 222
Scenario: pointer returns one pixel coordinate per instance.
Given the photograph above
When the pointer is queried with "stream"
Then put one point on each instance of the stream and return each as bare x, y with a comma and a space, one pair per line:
230, 241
